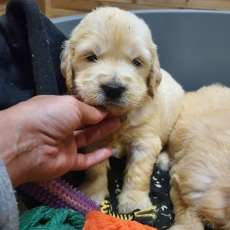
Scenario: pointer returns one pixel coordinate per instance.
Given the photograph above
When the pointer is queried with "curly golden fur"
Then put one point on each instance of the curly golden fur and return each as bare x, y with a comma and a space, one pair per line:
199, 151
110, 61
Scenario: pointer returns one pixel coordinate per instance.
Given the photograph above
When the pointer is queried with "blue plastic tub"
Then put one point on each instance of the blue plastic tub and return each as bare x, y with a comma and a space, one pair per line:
193, 45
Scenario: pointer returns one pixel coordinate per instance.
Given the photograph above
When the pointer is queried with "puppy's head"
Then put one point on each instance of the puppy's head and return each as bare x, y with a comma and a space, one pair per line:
111, 61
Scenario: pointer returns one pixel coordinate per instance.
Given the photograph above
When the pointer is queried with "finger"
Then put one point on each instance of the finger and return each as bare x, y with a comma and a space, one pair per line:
94, 133
89, 114
92, 115
84, 161
86, 113
83, 126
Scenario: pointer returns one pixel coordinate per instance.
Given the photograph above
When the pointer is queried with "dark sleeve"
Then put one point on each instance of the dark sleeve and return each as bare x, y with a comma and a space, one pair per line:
9, 216
30, 47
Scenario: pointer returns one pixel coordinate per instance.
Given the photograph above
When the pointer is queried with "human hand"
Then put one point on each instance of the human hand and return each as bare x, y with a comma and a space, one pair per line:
38, 141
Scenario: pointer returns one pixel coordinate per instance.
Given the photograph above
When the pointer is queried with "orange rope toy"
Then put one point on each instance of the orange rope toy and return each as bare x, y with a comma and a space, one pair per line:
96, 220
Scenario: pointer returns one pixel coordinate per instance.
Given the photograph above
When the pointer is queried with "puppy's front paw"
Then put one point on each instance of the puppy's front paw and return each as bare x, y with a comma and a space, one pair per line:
163, 161
94, 191
129, 201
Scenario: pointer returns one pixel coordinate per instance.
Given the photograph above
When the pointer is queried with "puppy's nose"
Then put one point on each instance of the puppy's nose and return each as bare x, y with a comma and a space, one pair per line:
113, 90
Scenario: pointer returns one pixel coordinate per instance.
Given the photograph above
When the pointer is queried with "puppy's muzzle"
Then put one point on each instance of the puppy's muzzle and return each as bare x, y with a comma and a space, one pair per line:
113, 90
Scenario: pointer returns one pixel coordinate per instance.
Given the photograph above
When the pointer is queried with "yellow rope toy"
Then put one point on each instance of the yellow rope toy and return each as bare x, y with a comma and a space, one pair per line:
147, 216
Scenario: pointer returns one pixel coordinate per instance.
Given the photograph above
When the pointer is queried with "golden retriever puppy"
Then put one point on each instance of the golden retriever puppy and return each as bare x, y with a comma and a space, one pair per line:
111, 62
199, 151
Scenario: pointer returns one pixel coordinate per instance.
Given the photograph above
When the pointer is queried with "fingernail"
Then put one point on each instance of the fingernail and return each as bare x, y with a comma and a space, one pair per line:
114, 151
102, 108
123, 118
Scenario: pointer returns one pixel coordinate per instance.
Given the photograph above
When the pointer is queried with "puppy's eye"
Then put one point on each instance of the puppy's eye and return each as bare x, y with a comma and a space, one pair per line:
136, 62
91, 58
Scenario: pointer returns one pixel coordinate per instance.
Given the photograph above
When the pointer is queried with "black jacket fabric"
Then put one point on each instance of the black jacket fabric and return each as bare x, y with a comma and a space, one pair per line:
30, 47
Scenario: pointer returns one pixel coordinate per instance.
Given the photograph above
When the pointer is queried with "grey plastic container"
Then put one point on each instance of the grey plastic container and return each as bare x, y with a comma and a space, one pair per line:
193, 45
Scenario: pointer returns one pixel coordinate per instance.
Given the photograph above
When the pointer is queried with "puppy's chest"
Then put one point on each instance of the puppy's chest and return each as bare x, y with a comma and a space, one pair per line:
120, 140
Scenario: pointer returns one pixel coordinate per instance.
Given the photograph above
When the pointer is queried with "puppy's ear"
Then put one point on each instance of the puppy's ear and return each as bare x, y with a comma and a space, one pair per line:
66, 65
154, 77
